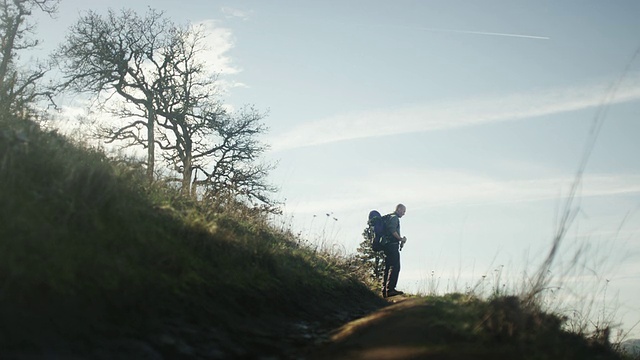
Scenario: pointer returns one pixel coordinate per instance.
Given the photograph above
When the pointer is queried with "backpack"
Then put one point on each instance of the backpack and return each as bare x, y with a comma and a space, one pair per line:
378, 224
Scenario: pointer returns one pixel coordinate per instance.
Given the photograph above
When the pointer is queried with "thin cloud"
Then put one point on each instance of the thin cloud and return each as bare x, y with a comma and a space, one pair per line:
219, 42
230, 12
449, 188
451, 114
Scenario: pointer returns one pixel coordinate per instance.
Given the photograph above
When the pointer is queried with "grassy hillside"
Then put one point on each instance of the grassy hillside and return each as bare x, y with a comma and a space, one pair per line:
89, 251
96, 263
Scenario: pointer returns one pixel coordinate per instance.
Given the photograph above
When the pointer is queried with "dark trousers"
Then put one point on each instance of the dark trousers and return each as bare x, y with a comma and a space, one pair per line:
391, 266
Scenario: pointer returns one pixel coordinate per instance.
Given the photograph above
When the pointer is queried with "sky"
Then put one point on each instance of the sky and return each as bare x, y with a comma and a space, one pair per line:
474, 114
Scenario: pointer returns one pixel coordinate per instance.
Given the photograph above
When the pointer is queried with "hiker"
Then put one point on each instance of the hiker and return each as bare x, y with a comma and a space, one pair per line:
393, 243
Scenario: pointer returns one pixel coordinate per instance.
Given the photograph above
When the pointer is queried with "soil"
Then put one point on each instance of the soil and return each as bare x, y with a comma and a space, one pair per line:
394, 332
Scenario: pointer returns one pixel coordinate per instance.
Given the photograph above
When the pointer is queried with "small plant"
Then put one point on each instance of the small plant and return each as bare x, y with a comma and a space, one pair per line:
370, 263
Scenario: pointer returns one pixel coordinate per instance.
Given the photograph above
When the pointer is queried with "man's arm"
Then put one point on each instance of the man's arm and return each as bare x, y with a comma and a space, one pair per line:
395, 225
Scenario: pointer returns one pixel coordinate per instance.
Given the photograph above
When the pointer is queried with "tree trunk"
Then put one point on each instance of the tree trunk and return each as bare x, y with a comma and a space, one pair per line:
187, 172
151, 142
8, 43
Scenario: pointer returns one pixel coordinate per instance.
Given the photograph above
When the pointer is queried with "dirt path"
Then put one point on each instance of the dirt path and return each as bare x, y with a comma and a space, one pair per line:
398, 331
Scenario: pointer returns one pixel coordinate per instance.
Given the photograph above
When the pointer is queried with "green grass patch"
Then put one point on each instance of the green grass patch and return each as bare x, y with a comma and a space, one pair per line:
87, 245
461, 326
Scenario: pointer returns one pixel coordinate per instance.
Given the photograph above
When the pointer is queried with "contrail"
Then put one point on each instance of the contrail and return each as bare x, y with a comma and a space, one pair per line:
487, 33
413, 27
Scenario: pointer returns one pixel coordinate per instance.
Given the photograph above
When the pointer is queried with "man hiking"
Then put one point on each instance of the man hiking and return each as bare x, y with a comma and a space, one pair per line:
393, 243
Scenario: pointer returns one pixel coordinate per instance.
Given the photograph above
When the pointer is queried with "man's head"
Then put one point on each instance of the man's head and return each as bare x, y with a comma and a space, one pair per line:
400, 210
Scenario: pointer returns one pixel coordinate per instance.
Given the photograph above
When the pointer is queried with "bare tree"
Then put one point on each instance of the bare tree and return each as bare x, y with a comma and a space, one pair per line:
201, 137
18, 88
236, 151
112, 55
186, 102
159, 69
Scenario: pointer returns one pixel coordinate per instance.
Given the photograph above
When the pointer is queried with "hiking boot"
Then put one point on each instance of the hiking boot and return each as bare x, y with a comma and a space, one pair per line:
394, 292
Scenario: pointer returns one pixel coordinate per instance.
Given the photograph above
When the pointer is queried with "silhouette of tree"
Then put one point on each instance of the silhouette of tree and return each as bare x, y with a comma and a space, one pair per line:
111, 54
371, 261
18, 88
157, 69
